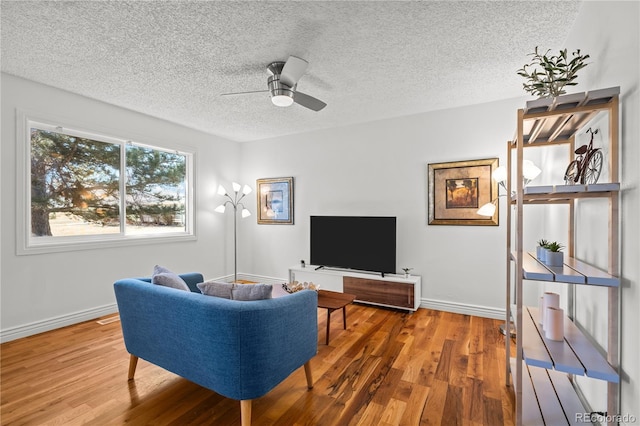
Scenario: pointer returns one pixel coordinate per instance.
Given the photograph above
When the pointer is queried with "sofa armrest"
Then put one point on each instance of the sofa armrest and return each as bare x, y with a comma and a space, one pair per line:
192, 279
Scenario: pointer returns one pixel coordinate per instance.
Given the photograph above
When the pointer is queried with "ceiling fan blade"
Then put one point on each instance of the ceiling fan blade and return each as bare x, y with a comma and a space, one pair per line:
293, 69
308, 101
244, 93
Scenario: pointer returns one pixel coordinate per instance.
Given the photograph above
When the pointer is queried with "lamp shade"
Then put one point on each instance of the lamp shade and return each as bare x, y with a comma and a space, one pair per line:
221, 190
219, 209
246, 190
499, 174
529, 170
236, 186
245, 213
488, 209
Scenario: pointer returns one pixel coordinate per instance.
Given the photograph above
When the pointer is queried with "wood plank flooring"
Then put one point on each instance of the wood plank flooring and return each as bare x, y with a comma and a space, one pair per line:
387, 368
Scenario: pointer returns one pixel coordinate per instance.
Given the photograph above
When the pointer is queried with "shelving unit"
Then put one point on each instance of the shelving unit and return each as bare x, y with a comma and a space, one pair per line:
543, 370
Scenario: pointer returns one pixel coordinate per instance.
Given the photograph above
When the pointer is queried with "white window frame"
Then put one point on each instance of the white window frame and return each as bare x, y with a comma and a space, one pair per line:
26, 244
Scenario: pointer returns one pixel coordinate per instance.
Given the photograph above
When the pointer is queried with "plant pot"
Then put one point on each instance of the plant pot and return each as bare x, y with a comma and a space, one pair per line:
541, 253
554, 258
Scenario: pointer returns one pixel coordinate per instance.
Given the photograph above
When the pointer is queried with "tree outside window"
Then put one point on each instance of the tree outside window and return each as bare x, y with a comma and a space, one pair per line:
76, 186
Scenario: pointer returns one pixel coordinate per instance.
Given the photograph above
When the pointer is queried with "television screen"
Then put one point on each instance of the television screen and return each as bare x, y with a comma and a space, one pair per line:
366, 243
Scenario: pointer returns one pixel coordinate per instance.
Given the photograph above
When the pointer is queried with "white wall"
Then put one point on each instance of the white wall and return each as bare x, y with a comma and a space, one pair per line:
608, 31
41, 291
380, 168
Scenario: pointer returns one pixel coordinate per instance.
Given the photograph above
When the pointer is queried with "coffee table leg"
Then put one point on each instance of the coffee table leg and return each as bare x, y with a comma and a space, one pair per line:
344, 316
328, 324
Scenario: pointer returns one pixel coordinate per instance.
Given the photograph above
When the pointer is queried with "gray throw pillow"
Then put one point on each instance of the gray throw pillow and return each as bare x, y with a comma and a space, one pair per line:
251, 291
236, 291
163, 276
216, 288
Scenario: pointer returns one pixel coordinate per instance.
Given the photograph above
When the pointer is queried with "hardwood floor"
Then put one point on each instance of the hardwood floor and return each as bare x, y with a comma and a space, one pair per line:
387, 368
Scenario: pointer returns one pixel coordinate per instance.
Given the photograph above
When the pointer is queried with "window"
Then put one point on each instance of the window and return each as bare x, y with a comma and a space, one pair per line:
84, 188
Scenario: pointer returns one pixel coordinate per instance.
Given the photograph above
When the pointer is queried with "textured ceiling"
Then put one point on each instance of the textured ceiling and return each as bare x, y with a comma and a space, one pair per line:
368, 60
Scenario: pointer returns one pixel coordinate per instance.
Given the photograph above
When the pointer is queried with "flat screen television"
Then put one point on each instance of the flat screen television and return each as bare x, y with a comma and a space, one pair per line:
366, 243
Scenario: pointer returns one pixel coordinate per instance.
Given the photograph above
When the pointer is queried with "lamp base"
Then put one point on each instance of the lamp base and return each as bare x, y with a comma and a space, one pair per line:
512, 329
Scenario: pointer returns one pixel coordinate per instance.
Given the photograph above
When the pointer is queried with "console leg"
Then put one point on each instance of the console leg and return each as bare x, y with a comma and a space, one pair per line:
344, 316
328, 325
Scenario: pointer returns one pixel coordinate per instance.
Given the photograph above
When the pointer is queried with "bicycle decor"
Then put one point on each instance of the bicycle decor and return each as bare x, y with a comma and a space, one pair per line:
586, 168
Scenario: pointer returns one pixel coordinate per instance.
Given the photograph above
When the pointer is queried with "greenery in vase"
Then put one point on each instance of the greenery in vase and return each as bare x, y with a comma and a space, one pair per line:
406, 270
554, 247
547, 75
543, 243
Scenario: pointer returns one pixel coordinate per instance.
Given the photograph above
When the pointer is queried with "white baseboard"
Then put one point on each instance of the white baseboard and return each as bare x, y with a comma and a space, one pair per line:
462, 308
26, 330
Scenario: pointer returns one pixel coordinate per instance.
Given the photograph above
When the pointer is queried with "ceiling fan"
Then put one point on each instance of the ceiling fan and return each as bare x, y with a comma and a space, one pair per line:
282, 82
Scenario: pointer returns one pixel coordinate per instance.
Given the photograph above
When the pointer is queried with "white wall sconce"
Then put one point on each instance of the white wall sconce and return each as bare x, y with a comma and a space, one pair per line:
235, 202
529, 172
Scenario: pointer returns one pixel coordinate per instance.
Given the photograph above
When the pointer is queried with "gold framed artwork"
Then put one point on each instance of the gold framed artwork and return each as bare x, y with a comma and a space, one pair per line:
458, 189
275, 201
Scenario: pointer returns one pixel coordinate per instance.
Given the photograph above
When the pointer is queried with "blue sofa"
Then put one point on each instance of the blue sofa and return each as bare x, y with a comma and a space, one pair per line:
239, 349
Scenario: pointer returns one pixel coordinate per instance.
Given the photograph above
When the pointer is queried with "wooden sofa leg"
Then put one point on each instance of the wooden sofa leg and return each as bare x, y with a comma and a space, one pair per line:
245, 412
307, 372
133, 363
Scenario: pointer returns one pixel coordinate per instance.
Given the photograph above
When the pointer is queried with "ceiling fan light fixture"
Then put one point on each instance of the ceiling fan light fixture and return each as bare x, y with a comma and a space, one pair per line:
282, 84
282, 98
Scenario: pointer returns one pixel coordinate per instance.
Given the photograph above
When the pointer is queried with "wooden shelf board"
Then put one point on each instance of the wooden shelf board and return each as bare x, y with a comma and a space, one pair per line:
547, 396
575, 355
573, 271
562, 273
534, 270
561, 355
567, 396
534, 353
531, 415
594, 363
547, 121
552, 192
594, 276
548, 402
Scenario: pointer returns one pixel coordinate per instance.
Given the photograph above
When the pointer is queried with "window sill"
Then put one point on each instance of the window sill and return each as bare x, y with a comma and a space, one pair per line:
102, 243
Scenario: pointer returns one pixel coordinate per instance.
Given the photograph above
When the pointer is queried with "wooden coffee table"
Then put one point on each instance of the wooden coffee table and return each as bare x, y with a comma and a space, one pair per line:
332, 300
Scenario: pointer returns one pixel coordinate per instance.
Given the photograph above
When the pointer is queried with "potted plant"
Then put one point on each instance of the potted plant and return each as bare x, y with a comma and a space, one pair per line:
406, 272
554, 256
547, 75
541, 250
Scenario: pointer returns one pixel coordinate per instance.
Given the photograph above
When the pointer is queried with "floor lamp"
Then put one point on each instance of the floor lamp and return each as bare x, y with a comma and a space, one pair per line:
234, 201
529, 172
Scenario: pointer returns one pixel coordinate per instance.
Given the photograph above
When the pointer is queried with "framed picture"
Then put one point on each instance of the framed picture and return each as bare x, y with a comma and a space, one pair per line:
275, 201
458, 189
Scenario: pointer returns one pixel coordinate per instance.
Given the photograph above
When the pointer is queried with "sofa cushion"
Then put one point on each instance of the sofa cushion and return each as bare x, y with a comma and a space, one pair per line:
236, 291
163, 276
